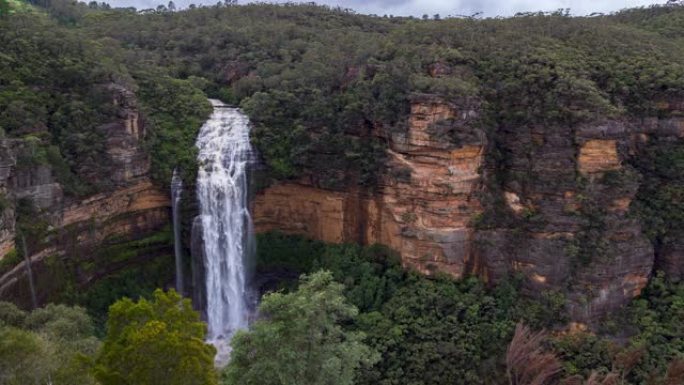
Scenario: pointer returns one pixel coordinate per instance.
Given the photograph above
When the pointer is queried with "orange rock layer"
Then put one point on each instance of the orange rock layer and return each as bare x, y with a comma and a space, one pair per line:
598, 155
424, 215
132, 209
426, 201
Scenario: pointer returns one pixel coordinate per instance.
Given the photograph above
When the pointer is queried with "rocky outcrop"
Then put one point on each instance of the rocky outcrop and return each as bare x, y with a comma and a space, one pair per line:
129, 208
669, 128
671, 259
128, 161
424, 203
429, 193
20, 179
7, 162
598, 155
569, 232
317, 213
554, 204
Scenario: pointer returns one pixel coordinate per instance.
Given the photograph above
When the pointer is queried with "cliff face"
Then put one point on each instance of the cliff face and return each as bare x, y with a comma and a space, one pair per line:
552, 203
424, 203
569, 193
76, 230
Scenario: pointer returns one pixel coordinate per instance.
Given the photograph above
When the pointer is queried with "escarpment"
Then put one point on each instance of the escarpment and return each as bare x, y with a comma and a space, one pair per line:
497, 148
72, 241
422, 206
555, 204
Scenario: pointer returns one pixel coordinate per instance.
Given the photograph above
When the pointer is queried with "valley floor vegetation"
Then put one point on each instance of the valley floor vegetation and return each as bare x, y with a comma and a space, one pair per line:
354, 317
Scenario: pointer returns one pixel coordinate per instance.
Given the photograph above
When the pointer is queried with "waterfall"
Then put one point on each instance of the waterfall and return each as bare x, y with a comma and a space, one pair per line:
225, 155
199, 288
29, 271
176, 191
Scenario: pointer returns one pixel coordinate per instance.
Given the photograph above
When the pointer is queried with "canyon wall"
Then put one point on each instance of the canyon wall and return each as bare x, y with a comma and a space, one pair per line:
77, 232
425, 200
551, 203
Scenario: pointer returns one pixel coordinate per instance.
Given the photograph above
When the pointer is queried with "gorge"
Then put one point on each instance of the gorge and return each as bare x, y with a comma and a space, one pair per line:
451, 182
430, 205
416, 187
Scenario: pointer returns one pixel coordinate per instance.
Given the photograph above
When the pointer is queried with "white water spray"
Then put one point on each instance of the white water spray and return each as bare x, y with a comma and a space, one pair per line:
225, 155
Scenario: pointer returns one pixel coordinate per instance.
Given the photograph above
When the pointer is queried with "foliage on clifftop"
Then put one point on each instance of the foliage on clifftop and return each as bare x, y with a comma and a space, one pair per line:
315, 79
47, 91
326, 87
56, 89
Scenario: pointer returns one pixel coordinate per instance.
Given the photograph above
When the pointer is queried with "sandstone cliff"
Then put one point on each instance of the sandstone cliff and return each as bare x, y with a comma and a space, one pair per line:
77, 230
552, 203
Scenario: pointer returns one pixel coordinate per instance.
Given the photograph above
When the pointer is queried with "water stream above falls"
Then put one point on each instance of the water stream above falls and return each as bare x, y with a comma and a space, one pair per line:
225, 157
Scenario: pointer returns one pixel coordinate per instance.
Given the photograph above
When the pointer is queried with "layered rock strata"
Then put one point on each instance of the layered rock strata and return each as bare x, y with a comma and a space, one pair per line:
426, 198
555, 207
76, 229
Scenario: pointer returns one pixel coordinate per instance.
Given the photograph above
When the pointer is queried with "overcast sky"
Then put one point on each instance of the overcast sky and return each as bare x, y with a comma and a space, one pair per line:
443, 7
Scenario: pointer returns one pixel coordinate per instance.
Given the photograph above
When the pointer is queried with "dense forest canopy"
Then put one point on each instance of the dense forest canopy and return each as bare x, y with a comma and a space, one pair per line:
315, 80
318, 83
325, 87
57, 89
373, 323
303, 69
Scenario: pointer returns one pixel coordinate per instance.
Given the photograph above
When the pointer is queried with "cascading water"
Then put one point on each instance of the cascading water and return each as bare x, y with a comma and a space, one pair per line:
176, 191
225, 155
29, 271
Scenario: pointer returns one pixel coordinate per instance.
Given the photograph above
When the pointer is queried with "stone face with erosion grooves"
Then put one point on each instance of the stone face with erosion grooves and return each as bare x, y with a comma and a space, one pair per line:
557, 187
7, 161
128, 159
671, 259
131, 208
423, 205
141, 196
428, 195
598, 155
298, 209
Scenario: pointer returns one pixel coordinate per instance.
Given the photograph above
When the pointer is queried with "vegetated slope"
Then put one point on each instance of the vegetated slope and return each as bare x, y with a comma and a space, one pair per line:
436, 331
561, 110
300, 70
327, 89
85, 131
57, 85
